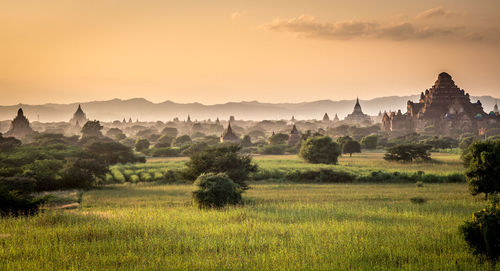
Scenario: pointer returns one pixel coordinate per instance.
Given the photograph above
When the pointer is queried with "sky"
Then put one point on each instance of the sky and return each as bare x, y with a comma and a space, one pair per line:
63, 51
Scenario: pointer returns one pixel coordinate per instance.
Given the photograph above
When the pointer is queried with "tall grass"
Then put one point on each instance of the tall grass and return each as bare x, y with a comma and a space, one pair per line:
280, 227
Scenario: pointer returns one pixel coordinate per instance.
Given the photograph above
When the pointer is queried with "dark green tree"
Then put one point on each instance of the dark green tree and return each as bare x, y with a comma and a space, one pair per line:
181, 140
278, 139
320, 149
142, 145
216, 191
92, 128
351, 147
369, 142
408, 153
224, 158
483, 167
170, 131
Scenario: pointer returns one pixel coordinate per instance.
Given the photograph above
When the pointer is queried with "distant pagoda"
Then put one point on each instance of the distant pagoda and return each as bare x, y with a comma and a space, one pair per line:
326, 117
79, 117
336, 118
357, 115
444, 108
294, 136
20, 126
229, 136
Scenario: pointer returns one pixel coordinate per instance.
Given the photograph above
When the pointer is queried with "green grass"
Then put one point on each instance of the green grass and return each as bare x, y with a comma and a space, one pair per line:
280, 227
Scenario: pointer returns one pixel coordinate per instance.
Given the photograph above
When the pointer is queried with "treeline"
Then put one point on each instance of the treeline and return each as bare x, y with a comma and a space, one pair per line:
55, 162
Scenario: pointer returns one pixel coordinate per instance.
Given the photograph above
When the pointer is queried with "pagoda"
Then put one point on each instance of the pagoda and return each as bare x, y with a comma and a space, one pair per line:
326, 117
357, 115
294, 136
20, 126
229, 136
79, 117
443, 108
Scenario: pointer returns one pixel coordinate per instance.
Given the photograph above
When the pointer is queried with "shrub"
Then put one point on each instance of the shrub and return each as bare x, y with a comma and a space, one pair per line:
322, 175
408, 153
164, 152
278, 139
14, 203
272, 149
483, 167
418, 200
224, 158
482, 233
181, 140
419, 184
369, 142
141, 145
216, 191
320, 149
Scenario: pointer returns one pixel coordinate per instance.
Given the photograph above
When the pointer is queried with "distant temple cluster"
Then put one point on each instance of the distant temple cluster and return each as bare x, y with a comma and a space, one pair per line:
444, 108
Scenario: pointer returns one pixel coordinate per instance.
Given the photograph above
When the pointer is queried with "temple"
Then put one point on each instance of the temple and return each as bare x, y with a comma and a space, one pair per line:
79, 117
294, 137
229, 136
20, 126
357, 115
326, 117
442, 109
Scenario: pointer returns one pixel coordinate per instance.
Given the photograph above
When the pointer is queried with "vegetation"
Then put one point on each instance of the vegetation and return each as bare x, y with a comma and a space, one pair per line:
280, 226
320, 149
482, 232
224, 158
216, 191
408, 153
350, 147
483, 167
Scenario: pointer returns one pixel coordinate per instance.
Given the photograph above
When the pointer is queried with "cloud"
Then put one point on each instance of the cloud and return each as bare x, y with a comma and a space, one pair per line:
438, 12
308, 27
236, 15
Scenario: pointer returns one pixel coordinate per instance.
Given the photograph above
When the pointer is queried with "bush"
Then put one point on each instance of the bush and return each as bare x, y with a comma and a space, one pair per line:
320, 149
418, 200
408, 153
272, 149
15, 203
482, 233
141, 145
224, 158
216, 191
369, 142
164, 152
322, 176
181, 140
483, 167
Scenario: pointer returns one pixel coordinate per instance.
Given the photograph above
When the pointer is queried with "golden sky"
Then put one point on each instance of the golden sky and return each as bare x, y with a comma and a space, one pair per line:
217, 51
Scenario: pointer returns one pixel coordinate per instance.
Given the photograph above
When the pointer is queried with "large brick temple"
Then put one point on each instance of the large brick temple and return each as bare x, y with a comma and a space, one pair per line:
443, 109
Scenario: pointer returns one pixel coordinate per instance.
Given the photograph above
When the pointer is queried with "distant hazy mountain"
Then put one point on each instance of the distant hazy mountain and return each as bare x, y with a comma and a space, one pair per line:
145, 110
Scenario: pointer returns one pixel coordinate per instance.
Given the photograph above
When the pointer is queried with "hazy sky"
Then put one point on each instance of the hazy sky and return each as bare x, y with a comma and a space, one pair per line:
217, 51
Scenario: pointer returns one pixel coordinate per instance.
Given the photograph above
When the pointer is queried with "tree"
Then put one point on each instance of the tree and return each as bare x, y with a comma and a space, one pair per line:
351, 147
408, 153
482, 233
320, 149
112, 152
141, 145
483, 167
46, 173
181, 140
246, 141
216, 191
369, 142
342, 140
8, 143
224, 158
164, 141
278, 139
92, 129
83, 173
115, 134
170, 131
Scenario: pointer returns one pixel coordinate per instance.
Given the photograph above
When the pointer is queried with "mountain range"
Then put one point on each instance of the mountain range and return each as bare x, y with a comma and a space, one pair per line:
145, 110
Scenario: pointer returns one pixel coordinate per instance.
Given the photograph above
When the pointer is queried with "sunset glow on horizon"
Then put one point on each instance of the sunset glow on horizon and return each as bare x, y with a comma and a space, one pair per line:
214, 52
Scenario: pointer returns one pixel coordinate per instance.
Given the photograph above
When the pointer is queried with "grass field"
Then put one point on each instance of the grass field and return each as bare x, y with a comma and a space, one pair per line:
280, 227
359, 165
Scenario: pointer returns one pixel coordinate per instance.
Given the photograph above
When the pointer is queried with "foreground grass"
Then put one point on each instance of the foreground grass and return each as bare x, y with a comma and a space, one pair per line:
280, 227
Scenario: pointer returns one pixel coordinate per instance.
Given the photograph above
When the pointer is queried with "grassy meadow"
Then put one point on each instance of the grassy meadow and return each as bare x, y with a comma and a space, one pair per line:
280, 226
